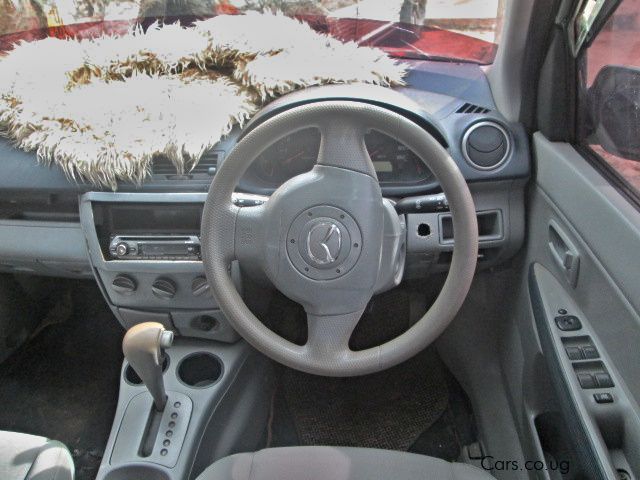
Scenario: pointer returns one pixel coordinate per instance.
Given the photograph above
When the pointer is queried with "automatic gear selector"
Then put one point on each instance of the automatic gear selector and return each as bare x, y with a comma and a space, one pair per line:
143, 348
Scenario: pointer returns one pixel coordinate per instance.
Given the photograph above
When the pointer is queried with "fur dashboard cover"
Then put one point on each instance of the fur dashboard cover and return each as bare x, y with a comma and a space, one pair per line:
101, 109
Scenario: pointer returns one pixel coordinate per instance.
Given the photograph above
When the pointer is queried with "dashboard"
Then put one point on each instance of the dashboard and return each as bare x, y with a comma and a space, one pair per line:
451, 102
141, 243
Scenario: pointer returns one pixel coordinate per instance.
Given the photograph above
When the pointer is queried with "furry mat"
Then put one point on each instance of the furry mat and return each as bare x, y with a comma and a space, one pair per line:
103, 108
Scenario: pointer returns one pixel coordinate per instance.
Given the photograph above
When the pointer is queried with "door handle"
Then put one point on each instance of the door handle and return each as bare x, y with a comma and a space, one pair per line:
564, 253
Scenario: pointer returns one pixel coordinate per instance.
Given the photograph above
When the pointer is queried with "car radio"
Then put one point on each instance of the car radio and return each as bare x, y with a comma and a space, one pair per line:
155, 247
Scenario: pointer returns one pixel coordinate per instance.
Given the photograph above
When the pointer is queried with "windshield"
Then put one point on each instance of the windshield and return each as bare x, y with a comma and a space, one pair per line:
464, 30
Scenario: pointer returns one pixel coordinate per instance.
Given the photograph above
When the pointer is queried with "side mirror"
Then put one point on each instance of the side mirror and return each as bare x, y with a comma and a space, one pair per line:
614, 111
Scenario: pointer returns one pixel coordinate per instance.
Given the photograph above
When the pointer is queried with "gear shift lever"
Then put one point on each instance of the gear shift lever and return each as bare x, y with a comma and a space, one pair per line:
142, 347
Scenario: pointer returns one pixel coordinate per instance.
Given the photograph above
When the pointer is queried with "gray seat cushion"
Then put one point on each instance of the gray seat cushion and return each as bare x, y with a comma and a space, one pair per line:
28, 457
337, 463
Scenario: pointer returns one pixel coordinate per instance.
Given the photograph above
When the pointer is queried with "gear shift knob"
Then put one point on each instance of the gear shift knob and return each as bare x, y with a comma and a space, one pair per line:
142, 347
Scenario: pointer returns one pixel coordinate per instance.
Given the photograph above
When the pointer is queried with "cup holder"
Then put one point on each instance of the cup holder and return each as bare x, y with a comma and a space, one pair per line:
199, 370
132, 377
134, 472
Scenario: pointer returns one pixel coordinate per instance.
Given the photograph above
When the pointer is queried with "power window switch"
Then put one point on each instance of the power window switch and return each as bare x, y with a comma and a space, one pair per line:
590, 352
568, 323
574, 353
586, 380
604, 380
603, 397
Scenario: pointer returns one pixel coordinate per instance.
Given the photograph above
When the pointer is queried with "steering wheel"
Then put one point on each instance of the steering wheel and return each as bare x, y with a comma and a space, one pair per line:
321, 238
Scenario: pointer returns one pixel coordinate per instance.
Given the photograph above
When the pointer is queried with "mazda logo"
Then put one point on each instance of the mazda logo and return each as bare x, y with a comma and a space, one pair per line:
324, 241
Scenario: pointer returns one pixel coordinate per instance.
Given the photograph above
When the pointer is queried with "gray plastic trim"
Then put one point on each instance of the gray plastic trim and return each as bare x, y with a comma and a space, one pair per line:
237, 359
506, 197
45, 248
605, 219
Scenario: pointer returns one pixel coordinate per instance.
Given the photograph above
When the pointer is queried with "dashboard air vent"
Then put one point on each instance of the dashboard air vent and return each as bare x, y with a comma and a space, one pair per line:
207, 165
471, 108
162, 166
486, 145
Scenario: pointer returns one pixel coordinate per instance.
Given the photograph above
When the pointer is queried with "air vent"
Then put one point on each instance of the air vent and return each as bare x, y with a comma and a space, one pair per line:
163, 166
208, 163
206, 166
471, 108
486, 145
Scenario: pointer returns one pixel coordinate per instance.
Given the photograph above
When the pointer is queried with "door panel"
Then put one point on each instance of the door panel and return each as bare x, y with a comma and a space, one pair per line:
583, 258
606, 231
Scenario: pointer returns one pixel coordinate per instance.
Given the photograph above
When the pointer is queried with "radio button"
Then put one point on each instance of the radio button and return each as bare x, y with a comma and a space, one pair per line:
122, 249
124, 285
164, 288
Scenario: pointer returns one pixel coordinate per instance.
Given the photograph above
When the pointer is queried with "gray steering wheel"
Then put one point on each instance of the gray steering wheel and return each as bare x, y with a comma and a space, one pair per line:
321, 240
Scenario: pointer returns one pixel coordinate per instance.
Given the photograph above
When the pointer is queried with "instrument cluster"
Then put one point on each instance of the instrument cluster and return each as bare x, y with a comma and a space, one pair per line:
395, 164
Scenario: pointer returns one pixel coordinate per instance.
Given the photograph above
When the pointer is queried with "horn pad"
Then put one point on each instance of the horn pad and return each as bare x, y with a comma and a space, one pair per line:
324, 243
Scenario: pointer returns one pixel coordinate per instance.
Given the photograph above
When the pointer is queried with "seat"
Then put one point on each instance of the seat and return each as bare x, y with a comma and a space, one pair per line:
28, 457
337, 463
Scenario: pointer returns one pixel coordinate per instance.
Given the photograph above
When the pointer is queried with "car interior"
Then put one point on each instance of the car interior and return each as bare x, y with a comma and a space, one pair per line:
425, 273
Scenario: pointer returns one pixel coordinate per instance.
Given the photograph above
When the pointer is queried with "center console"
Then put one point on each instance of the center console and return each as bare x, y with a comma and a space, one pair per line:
218, 398
144, 249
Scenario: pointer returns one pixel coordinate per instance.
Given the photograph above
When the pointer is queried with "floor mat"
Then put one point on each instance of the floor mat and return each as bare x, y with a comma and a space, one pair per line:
454, 429
417, 406
64, 383
388, 410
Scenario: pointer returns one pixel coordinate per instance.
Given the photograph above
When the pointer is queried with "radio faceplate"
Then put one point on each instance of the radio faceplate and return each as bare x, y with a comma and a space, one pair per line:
155, 247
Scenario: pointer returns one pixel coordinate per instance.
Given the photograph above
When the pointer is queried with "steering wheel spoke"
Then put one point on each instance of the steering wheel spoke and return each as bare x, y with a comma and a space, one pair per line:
342, 145
248, 240
328, 336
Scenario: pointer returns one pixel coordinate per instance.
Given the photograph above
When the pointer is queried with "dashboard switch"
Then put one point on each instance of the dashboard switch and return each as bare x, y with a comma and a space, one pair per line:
200, 287
590, 352
574, 353
586, 380
164, 288
603, 380
568, 323
423, 204
124, 284
603, 397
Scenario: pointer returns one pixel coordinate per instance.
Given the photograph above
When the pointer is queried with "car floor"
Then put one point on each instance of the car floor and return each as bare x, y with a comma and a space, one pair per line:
417, 406
63, 383
369, 412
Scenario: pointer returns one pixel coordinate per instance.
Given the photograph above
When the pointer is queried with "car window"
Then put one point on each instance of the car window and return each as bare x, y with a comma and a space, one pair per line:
466, 30
609, 95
